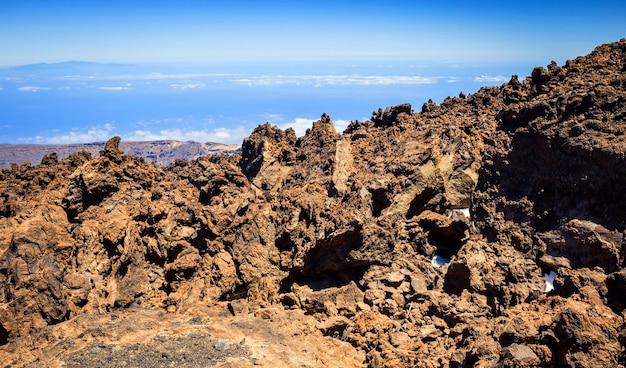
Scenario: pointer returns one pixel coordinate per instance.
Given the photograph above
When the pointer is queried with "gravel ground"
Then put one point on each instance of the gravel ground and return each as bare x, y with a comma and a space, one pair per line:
193, 350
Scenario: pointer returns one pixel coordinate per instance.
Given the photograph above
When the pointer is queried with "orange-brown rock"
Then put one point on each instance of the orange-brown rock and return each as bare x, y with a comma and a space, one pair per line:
339, 242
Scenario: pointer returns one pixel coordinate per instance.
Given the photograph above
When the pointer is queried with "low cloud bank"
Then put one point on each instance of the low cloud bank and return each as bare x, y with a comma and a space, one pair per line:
92, 134
217, 135
321, 80
104, 132
226, 135
300, 125
33, 89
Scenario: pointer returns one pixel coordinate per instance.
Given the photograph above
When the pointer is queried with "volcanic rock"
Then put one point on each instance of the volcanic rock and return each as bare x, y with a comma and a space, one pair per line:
318, 249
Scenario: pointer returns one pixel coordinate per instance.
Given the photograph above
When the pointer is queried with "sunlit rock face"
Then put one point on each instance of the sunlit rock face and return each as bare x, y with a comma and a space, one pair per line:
484, 231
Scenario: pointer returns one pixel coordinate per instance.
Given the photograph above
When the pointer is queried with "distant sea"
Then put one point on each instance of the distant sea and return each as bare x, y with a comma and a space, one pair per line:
81, 102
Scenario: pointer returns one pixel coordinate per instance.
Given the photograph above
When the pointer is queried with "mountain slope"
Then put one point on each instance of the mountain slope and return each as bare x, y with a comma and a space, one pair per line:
163, 152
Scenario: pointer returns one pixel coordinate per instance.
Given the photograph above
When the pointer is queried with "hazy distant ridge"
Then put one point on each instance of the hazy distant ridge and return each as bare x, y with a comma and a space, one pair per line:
163, 152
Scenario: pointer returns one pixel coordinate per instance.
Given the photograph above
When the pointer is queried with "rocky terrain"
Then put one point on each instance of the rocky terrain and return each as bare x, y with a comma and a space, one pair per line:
484, 231
163, 152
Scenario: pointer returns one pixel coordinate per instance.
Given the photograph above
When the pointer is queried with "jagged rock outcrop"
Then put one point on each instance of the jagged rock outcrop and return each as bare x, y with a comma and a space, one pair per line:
484, 231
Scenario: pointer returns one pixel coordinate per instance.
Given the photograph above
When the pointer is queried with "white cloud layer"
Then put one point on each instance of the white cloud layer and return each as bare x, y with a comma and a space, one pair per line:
106, 131
224, 135
114, 88
492, 79
148, 77
94, 134
184, 81
341, 125
262, 79
321, 80
218, 135
300, 125
188, 85
181, 80
33, 89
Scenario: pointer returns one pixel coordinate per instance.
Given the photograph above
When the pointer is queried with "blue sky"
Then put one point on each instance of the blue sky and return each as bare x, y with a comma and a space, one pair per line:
208, 31
212, 71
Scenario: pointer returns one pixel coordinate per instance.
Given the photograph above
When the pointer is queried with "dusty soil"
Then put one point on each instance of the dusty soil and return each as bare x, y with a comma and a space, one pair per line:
138, 337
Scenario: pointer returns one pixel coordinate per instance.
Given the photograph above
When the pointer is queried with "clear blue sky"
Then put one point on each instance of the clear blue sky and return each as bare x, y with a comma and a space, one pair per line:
33, 31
